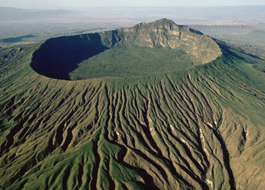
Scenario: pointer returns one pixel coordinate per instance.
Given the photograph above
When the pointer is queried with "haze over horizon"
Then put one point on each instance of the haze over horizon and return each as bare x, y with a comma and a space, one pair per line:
50, 4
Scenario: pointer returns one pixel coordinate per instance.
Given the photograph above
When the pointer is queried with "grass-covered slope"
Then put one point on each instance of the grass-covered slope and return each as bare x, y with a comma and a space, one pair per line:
202, 128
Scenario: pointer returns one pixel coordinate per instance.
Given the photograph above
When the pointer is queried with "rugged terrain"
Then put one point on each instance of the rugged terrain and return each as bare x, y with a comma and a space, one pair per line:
200, 126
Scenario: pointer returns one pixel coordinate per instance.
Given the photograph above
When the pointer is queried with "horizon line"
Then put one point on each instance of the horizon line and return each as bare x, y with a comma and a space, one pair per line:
73, 8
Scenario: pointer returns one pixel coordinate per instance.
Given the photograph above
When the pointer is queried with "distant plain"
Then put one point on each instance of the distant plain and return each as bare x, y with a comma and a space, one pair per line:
242, 26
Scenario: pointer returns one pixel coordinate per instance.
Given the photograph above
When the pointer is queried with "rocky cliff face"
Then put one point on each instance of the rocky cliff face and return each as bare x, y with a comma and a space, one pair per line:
165, 33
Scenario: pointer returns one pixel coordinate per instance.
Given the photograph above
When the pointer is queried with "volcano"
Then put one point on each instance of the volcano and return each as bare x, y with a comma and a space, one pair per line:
154, 106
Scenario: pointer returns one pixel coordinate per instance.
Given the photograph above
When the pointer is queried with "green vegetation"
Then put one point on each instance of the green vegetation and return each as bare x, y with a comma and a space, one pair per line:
199, 127
133, 62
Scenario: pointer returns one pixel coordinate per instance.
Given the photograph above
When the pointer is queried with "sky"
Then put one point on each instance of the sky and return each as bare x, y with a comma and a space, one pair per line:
54, 4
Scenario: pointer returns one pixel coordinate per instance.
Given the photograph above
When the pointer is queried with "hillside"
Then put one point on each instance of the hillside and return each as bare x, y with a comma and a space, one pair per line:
199, 127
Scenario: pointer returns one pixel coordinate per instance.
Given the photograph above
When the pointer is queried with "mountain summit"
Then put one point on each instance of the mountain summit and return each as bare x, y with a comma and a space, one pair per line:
125, 52
165, 33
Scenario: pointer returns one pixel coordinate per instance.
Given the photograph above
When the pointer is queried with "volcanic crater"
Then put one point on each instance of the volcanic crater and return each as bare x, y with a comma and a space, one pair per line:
146, 48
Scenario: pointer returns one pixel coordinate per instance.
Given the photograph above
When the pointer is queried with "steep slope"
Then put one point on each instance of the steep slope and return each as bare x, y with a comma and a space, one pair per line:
165, 33
131, 51
202, 128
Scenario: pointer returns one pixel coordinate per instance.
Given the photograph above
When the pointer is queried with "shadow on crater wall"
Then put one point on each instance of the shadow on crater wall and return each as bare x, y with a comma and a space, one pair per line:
57, 57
